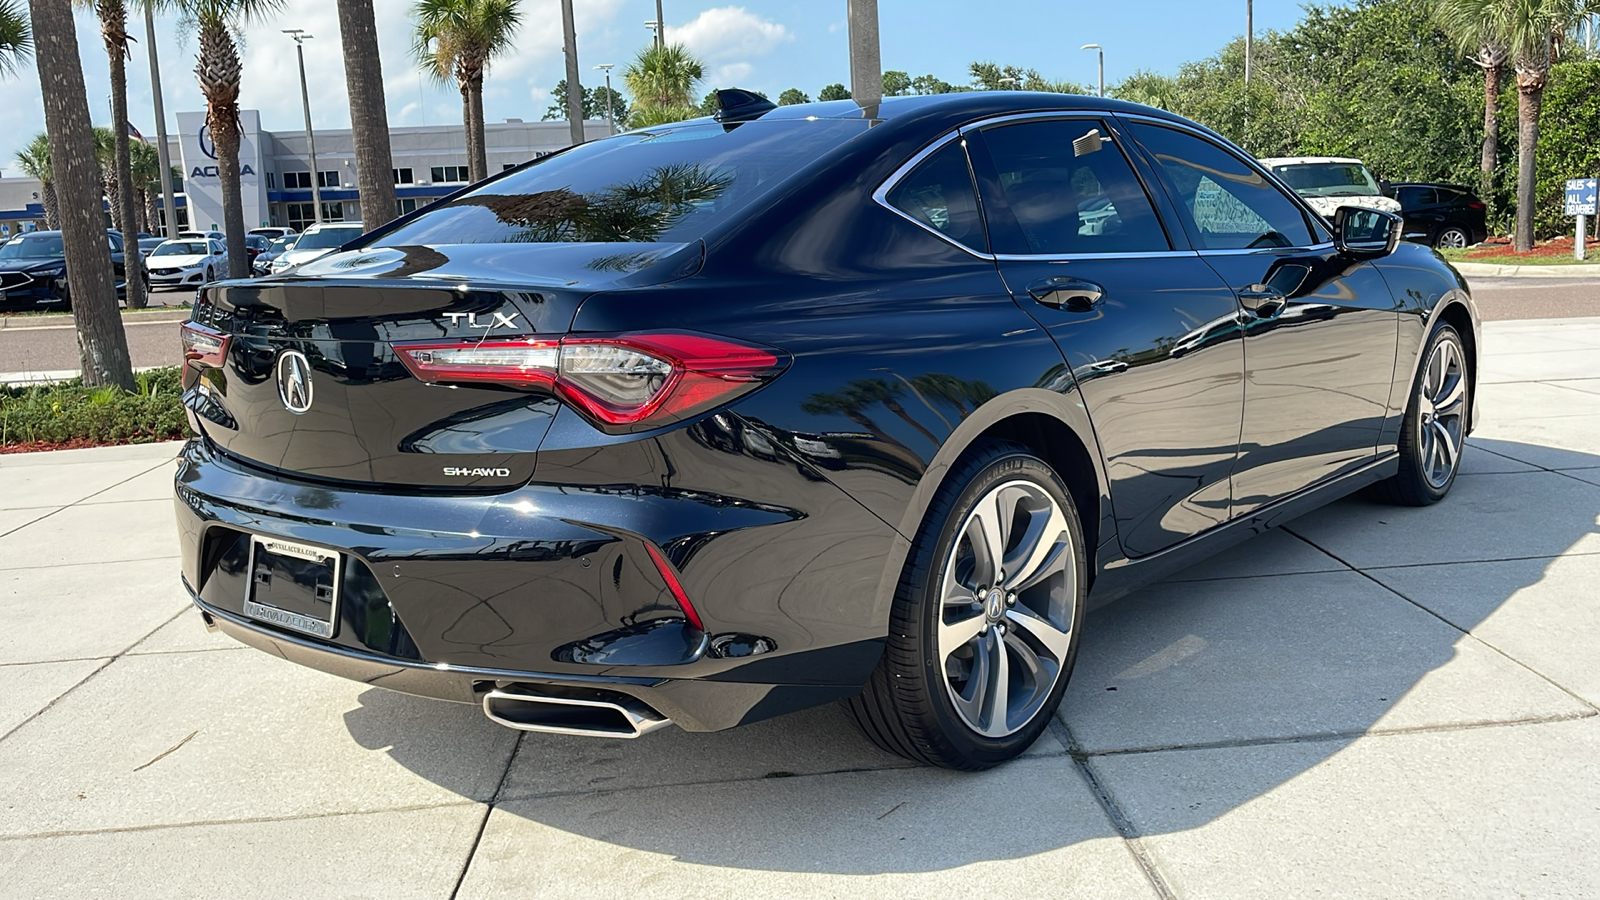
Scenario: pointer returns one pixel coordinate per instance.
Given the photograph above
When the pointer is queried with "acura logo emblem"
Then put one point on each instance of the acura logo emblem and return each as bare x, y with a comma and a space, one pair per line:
294, 381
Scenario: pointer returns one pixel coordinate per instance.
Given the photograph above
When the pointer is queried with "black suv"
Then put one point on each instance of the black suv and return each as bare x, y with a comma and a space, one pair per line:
33, 270
1441, 215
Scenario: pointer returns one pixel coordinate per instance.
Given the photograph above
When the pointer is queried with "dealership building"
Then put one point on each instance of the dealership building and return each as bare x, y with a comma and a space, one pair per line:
430, 161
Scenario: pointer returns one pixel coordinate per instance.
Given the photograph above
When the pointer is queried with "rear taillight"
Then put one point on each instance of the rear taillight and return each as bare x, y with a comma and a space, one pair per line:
1476, 204
622, 381
202, 347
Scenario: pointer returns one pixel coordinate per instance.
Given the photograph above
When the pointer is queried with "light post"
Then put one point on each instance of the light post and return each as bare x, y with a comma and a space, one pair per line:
169, 212
610, 118
1102, 53
1249, 36
655, 31
300, 37
661, 26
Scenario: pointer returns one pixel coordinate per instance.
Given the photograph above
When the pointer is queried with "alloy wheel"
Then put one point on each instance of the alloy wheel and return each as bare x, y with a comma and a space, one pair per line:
1451, 238
1005, 620
1441, 413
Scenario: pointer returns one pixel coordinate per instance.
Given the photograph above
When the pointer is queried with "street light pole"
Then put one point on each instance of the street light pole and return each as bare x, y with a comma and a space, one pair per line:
1249, 36
1100, 51
168, 199
661, 26
866, 67
300, 37
610, 117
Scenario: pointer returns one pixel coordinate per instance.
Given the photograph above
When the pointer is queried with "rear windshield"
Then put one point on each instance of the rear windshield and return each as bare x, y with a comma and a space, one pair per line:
327, 237
667, 185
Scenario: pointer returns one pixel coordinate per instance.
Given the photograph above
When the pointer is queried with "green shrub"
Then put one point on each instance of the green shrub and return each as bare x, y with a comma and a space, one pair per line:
69, 412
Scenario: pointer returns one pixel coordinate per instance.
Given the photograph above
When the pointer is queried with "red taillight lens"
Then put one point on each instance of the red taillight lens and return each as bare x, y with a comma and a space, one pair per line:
1476, 204
202, 347
624, 381
675, 586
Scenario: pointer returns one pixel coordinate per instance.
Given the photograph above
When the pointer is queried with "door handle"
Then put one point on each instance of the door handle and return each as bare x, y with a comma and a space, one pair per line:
1264, 301
1065, 292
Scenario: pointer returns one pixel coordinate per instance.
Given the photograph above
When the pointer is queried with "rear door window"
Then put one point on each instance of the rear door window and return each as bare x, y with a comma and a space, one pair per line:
1228, 205
940, 195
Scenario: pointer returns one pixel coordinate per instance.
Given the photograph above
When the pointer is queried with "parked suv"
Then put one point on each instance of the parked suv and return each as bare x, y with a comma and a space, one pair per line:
33, 270
1441, 215
1329, 182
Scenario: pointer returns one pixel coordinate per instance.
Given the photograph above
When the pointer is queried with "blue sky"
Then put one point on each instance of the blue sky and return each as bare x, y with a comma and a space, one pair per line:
764, 45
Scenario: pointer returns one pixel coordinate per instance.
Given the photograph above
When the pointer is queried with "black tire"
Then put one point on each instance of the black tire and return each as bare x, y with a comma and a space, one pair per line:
909, 705
1452, 236
1422, 480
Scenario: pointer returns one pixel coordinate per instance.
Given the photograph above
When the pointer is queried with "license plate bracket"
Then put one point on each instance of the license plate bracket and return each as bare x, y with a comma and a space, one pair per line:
293, 585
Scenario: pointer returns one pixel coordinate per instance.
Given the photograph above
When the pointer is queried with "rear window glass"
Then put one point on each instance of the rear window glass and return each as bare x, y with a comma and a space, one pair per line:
666, 185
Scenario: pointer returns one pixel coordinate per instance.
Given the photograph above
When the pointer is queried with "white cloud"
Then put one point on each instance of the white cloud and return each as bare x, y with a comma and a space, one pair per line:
731, 74
729, 32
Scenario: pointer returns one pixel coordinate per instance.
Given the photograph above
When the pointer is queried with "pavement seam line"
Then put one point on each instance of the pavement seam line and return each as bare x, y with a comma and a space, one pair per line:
75, 503
92, 562
488, 810
1334, 736
250, 820
1503, 654
1131, 839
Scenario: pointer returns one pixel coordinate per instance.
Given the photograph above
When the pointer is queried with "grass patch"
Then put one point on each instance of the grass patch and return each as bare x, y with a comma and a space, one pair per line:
1514, 260
67, 414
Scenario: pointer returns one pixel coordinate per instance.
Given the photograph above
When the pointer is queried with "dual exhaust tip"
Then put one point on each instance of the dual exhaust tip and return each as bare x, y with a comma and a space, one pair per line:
612, 716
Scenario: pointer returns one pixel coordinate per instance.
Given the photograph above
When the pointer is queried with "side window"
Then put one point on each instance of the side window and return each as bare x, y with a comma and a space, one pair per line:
939, 193
1071, 189
1230, 206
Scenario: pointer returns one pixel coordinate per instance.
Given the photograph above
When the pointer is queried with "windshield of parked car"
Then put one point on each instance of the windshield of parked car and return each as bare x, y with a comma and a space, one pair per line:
1328, 179
41, 246
327, 237
182, 248
280, 245
668, 184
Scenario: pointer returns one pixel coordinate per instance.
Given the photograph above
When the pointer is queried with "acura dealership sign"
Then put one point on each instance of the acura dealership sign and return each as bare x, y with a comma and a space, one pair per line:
203, 187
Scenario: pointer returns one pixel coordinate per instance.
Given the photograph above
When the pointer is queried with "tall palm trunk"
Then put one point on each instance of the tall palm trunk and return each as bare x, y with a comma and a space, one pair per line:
114, 30
52, 206
1532, 68
218, 71
471, 77
1492, 60
102, 345
147, 202
369, 115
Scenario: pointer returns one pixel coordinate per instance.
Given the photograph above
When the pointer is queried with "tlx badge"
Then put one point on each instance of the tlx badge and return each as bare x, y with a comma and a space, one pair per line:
500, 318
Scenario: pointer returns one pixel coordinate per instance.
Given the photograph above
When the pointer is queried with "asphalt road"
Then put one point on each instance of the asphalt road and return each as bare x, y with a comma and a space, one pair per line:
156, 343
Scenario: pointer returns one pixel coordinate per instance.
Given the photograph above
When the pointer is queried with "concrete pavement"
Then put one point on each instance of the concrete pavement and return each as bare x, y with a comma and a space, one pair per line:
1371, 702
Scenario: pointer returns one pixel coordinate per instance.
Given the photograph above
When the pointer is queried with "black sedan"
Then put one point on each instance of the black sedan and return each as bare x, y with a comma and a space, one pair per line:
1441, 215
714, 421
33, 270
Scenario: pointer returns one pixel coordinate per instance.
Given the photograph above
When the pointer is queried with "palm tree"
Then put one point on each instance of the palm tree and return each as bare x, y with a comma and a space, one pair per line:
34, 160
369, 114
105, 152
113, 16
662, 80
218, 70
1486, 50
16, 42
458, 39
102, 345
144, 170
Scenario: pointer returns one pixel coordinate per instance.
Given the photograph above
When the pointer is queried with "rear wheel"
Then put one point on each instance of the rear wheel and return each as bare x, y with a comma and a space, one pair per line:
984, 630
1452, 237
1434, 431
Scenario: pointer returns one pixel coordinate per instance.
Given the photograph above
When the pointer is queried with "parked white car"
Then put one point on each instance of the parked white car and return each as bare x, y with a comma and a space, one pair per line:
318, 240
204, 235
183, 262
1329, 182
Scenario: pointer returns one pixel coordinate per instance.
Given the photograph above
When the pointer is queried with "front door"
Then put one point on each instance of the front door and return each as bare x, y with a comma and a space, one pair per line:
1151, 333
1320, 329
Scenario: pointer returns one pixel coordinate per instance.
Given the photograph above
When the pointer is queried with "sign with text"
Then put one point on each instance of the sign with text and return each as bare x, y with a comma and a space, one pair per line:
1582, 194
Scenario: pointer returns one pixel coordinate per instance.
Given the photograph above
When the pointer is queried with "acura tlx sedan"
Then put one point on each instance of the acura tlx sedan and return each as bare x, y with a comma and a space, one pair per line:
707, 423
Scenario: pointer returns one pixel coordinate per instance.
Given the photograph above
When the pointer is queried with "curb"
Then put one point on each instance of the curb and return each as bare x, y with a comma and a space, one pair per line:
1500, 271
65, 320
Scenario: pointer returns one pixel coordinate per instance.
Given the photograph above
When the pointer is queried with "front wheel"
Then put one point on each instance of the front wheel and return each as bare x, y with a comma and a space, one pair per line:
984, 630
1434, 431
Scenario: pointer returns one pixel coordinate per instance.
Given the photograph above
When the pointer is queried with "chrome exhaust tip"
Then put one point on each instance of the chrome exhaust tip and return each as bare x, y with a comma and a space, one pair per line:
624, 717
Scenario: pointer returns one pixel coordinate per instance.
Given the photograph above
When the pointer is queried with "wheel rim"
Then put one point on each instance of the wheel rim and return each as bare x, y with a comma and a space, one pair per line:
1454, 238
1441, 407
1005, 618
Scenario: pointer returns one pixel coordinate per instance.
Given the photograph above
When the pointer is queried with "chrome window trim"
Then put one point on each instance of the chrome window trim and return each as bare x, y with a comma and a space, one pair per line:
1246, 251
881, 195
1069, 257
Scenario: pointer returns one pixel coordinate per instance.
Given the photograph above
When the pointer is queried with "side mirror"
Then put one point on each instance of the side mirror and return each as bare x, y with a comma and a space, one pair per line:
1365, 233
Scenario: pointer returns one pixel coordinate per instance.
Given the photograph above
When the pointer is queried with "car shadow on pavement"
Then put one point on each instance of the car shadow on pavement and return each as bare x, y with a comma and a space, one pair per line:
1349, 623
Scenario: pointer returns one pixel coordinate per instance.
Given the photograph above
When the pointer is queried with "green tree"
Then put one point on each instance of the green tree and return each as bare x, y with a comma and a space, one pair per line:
834, 91
896, 84
458, 39
16, 41
34, 160
792, 96
663, 80
594, 103
1569, 139
1487, 50
986, 76
217, 22
369, 112
144, 168
113, 16
929, 84
102, 344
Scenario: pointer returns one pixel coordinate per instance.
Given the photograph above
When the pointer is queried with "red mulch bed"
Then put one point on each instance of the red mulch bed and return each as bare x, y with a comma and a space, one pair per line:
35, 446
1561, 246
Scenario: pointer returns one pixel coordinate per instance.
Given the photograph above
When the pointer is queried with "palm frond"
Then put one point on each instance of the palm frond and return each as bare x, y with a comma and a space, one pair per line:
16, 38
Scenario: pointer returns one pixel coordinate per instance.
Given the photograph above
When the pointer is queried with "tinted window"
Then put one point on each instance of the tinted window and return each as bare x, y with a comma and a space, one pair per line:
1228, 205
40, 246
939, 193
1413, 197
325, 238
1071, 190
671, 184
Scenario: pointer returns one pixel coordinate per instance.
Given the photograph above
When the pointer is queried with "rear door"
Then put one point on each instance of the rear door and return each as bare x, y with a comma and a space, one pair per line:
1320, 329
1150, 332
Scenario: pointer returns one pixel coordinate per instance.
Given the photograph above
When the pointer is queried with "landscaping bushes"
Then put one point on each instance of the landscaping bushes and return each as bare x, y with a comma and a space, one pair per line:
67, 414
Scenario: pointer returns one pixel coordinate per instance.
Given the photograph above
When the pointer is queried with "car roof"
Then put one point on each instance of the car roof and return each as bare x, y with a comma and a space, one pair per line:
1306, 160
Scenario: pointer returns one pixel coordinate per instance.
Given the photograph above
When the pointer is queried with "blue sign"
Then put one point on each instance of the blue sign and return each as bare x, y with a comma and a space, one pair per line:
1582, 194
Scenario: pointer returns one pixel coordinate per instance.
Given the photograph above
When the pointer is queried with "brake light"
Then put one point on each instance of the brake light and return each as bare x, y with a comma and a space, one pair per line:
202, 348
1477, 204
626, 381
